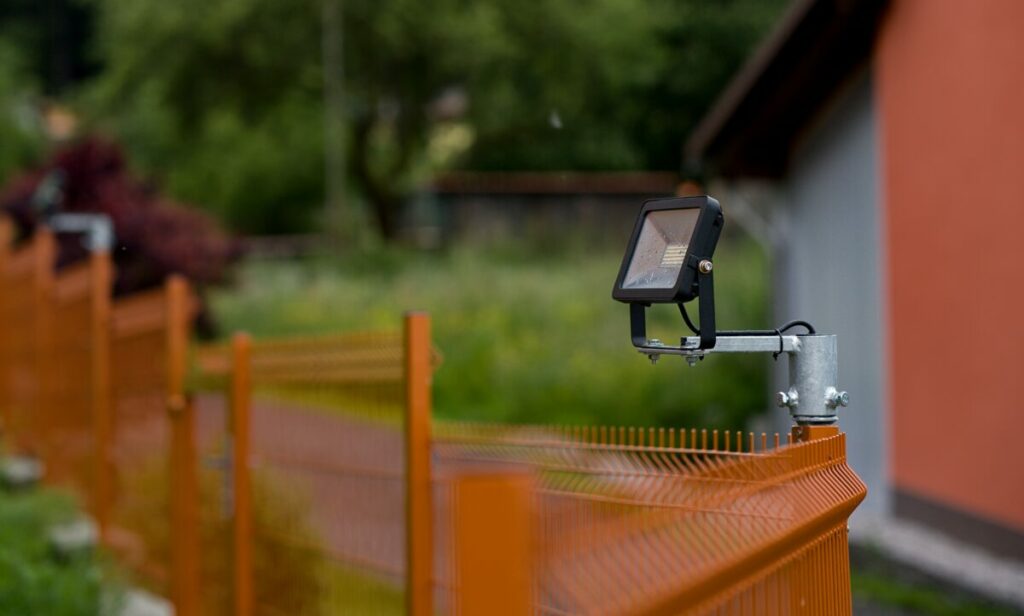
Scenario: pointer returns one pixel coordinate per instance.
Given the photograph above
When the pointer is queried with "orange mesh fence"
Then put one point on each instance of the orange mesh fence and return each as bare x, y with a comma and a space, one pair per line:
27, 279
148, 336
75, 376
302, 475
325, 470
628, 521
212, 380
96, 391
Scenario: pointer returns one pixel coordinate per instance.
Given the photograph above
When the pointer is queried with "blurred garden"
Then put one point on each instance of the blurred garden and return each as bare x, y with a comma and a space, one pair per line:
323, 166
327, 118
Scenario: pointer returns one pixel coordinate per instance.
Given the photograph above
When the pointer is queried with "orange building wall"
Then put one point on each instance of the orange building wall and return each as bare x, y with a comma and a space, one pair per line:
949, 81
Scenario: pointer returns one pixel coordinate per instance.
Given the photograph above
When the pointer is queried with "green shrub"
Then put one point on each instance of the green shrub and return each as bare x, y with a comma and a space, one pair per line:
32, 581
528, 338
20, 131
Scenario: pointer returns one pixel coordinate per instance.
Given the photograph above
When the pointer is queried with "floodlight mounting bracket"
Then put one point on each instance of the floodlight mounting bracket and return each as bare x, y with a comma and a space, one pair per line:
813, 397
707, 336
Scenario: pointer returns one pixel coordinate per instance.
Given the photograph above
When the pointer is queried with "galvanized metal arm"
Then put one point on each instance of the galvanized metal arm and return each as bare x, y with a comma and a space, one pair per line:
813, 397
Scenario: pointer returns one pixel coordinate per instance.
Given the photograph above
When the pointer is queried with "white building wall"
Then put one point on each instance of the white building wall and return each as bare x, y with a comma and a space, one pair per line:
830, 268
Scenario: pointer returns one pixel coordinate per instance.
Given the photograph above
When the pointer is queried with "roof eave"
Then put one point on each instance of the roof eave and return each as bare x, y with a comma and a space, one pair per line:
750, 129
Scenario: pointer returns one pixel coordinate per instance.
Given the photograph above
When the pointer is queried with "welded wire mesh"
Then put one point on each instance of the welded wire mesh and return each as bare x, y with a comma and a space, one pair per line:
26, 276
65, 426
140, 509
211, 382
662, 521
216, 501
623, 520
327, 469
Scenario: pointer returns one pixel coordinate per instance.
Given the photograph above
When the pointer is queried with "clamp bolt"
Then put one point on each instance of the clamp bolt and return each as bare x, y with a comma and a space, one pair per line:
787, 398
835, 398
705, 267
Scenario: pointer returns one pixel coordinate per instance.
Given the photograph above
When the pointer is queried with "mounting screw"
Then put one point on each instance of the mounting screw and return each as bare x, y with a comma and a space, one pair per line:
835, 398
654, 358
705, 267
692, 360
787, 398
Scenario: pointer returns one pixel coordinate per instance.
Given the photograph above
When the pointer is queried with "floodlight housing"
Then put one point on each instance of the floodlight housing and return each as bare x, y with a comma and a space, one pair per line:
669, 261
671, 238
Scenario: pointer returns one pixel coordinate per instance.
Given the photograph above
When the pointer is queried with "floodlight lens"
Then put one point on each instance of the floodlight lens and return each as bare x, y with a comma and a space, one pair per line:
661, 249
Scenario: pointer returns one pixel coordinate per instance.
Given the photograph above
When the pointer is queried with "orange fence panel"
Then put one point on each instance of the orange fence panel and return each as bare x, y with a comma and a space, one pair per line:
325, 510
27, 279
75, 394
149, 337
223, 392
307, 476
492, 515
633, 521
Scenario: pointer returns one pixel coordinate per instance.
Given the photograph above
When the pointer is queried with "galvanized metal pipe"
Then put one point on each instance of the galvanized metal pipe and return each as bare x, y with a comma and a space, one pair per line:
813, 397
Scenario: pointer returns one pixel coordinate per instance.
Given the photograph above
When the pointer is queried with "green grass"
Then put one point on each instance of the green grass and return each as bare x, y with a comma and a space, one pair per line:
879, 580
32, 580
920, 599
525, 338
352, 592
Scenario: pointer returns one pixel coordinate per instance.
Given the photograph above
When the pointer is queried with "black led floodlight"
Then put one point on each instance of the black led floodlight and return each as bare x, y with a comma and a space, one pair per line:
669, 261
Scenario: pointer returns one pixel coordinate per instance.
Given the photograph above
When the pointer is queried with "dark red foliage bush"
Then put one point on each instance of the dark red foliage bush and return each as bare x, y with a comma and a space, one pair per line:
154, 235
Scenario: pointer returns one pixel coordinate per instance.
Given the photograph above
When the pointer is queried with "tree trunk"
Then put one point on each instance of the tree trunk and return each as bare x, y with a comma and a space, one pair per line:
385, 202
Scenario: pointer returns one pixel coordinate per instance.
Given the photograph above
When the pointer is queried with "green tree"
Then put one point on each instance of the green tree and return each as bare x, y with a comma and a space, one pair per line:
220, 100
225, 99
21, 135
704, 44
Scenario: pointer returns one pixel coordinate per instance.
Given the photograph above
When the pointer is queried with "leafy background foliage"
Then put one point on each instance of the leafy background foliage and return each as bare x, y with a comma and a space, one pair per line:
233, 118
155, 236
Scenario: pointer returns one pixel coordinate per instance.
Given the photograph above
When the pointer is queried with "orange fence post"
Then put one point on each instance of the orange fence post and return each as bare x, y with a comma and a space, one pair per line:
185, 564
419, 524
101, 283
493, 519
241, 401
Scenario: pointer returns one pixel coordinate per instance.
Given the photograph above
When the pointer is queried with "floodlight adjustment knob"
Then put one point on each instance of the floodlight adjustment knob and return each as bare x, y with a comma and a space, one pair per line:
705, 266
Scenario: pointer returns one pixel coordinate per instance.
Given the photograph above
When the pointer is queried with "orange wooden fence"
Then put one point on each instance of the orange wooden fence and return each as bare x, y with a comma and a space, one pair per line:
306, 475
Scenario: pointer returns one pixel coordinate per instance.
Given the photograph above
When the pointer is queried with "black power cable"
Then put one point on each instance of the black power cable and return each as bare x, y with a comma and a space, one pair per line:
750, 332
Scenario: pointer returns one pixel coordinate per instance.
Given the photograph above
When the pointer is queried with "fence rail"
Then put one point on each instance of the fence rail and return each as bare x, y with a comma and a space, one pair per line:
306, 475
